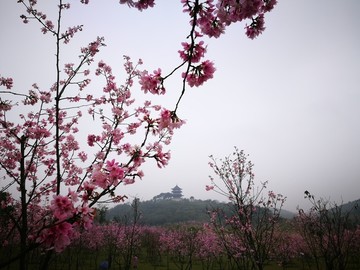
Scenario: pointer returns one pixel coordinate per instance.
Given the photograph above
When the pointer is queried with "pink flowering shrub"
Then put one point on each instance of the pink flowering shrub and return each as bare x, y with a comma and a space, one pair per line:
209, 248
181, 244
289, 246
328, 232
247, 230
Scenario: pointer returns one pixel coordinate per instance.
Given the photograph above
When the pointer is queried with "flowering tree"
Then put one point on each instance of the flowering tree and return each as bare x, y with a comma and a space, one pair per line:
247, 233
130, 239
53, 174
209, 249
355, 252
151, 245
328, 232
181, 244
288, 247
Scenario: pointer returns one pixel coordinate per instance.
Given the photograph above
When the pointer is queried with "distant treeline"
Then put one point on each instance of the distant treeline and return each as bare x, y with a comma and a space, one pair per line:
163, 212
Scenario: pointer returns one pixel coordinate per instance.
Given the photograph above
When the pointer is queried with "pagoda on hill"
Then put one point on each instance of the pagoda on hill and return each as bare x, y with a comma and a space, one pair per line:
176, 192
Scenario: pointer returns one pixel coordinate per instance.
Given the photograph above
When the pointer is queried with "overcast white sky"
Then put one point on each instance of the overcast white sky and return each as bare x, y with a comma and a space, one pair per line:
290, 98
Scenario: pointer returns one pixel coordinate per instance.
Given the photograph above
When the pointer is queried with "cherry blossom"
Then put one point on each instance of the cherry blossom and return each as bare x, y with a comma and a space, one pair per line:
193, 53
57, 237
152, 83
62, 207
7, 82
140, 4
200, 74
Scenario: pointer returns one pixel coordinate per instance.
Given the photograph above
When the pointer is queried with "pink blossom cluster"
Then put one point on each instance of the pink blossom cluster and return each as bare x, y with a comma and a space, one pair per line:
92, 48
168, 120
162, 158
48, 26
62, 207
152, 83
212, 16
140, 4
57, 237
209, 187
256, 27
115, 172
192, 53
7, 82
200, 74
70, 32
64, 6
112, 174
63, 232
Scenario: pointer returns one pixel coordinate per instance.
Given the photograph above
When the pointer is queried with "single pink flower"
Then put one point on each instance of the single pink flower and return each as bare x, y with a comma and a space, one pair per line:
208, 188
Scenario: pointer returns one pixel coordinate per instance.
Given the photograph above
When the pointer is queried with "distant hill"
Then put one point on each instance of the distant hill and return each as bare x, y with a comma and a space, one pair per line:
169, 211
353, 206
287, 214
163, 212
